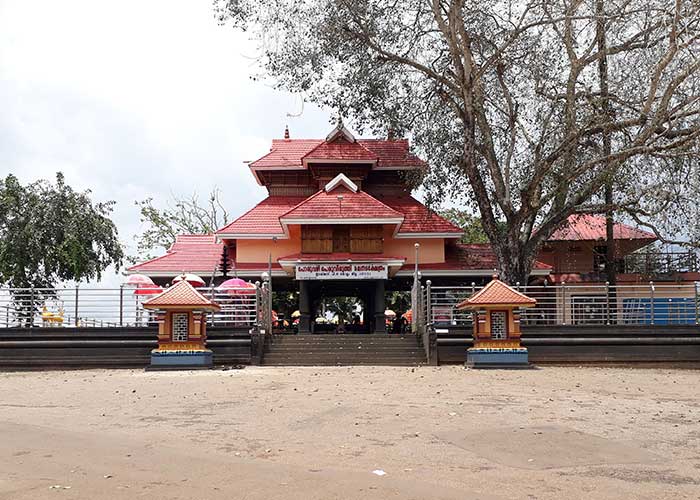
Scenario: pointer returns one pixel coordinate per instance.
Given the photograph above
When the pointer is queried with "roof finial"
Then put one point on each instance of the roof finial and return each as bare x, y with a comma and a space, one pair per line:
286, 132
494, 275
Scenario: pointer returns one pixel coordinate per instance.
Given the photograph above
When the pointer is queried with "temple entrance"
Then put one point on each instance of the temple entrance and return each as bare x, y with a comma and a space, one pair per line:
339, 315
342, 306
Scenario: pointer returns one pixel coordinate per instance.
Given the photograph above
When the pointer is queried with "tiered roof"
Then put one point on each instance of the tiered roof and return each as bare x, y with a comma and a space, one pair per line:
418, 219
263, 219
339, 147
342, 204
180, 295
269, 217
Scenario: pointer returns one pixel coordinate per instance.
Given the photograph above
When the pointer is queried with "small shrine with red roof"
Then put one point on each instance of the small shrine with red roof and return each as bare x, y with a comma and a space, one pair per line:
496, 326
339, 220
182, 324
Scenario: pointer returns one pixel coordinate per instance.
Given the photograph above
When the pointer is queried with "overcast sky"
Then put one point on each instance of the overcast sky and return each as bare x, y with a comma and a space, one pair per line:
137, 98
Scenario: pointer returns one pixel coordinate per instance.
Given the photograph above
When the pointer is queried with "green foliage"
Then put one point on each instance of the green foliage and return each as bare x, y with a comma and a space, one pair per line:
180, 216
473, 230
399, 302
343, 307
285, 303
50, 233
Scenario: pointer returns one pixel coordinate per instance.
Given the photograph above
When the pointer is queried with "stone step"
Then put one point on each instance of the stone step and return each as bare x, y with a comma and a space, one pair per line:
343, 341
354, 363
330, 357
342, 350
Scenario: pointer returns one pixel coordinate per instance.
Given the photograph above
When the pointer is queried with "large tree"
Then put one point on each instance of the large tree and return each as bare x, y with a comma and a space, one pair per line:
50, 233
504, 99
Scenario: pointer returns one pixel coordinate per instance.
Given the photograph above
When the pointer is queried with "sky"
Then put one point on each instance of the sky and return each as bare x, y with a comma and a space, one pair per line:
137, 99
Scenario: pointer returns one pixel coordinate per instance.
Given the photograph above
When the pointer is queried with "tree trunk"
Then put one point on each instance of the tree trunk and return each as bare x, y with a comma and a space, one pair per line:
610, 270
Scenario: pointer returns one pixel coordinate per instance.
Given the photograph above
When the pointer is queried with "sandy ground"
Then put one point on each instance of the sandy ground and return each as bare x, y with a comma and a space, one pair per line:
319, 433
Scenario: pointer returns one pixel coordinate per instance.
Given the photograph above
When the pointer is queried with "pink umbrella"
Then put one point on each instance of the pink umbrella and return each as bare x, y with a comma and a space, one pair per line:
139, 280
144, 285
237, 286
190, 278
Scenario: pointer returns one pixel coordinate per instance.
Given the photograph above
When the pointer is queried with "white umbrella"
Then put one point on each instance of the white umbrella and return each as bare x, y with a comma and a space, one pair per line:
190, 278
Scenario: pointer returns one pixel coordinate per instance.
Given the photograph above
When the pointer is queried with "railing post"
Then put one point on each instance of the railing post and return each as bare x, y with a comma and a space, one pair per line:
31, 307
607, 302
121, 305
651, 290
77, 288
563, 309
428, 306
697, 311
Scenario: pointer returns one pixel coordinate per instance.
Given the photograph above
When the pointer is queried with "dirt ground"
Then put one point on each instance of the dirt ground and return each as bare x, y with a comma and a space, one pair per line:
351, 433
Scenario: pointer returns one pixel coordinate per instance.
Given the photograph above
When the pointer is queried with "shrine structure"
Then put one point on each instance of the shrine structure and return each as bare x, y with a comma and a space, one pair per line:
496, 326
182, 334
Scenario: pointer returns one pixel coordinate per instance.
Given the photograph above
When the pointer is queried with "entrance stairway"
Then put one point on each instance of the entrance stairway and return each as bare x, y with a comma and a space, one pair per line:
344, 350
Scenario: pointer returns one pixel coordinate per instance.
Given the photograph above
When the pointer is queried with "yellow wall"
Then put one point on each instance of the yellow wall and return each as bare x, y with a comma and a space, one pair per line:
259, 250
432, 250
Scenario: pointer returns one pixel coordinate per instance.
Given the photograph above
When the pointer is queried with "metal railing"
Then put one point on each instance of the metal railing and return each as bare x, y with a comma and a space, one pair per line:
644, 304
660, 263
113, 307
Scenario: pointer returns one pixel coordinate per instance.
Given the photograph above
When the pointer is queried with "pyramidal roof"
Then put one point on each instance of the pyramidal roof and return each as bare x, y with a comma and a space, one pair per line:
179, 295
497, 293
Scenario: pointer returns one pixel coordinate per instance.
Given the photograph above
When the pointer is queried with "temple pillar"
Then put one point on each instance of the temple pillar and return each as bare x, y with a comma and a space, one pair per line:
304, 308
379, 307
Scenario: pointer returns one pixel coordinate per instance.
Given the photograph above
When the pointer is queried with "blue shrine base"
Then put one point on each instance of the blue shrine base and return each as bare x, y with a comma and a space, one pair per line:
181, 359
497, 358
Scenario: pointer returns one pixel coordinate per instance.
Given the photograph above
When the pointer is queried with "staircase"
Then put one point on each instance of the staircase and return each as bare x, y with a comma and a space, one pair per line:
344, 350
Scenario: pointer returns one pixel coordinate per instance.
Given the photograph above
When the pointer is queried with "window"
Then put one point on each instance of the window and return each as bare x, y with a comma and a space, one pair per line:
316, 239
180, 327
498, 325
367, 239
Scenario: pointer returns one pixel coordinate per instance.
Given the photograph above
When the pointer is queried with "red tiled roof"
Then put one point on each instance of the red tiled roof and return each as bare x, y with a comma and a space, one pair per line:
198, 253
293, 152
286, 152
354, 205
588, 227
417, 217
340, 257
180, 295
470, 257
263, 218
496, 293
340, 149
392, 153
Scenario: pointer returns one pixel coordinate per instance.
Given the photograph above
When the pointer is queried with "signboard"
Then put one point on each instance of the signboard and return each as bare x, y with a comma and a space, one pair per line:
342, 272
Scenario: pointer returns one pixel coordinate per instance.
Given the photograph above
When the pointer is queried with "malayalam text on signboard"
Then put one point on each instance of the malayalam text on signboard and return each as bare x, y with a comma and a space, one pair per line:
341, 272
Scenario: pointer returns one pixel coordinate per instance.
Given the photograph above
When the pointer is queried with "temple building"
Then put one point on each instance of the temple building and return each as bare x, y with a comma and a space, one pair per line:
340, 221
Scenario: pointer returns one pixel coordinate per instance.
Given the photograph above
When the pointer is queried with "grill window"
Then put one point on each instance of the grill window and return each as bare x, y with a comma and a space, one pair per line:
498, 324
181, 325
